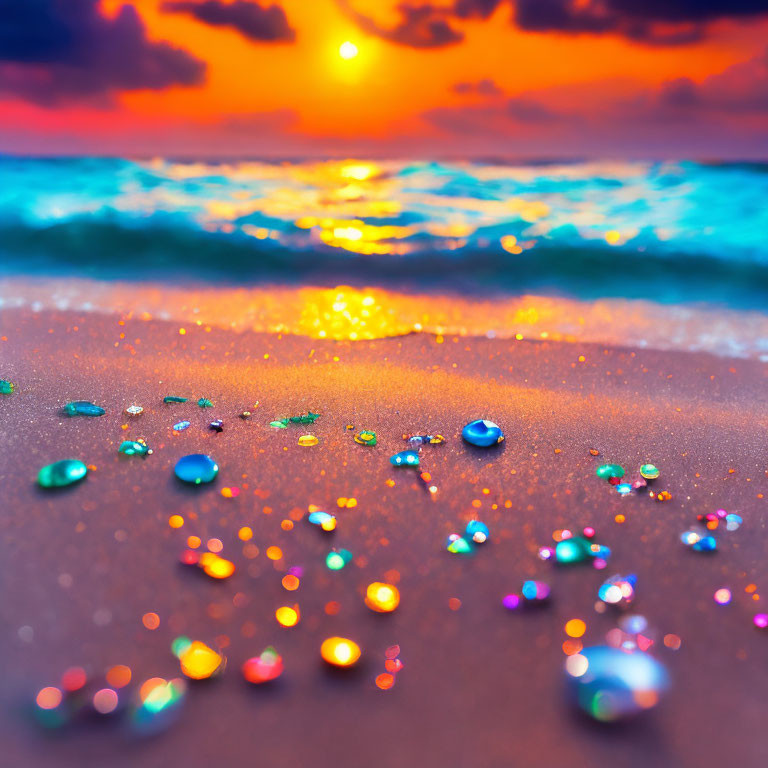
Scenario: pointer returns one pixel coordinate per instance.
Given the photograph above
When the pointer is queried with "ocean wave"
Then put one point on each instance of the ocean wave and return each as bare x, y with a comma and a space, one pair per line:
671, 233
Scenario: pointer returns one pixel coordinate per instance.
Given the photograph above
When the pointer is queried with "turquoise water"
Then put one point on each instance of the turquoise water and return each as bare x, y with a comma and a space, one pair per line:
674, 233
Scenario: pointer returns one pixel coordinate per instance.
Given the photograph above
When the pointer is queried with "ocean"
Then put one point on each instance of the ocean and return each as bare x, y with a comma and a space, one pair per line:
582, 250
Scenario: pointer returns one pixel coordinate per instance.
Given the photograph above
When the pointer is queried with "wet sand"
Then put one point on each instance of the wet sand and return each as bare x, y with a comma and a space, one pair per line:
481, 687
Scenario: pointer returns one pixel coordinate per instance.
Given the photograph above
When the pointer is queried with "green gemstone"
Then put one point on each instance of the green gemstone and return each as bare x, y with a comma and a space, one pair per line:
281, 424
133, 448
607, 471
62, 473
6, 387
459, 546
174, 399
204, 402
649, 471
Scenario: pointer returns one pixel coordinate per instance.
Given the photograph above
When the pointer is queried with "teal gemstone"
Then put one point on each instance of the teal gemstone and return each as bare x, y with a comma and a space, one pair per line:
482, 433
6, 387
204, 402
133, 448
83, 408
405, 459
459, 546
196, 468
649, 472
573, 550
607, 471
174, 399
61, 473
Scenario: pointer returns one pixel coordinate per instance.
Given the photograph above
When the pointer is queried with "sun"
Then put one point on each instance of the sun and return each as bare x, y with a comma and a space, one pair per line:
348, 50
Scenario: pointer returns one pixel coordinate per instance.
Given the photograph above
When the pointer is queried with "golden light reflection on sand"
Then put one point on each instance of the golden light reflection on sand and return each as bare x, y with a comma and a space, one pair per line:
356, 314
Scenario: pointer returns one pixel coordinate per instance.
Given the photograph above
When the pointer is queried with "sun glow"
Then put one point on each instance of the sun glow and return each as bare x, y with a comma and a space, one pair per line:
348, 50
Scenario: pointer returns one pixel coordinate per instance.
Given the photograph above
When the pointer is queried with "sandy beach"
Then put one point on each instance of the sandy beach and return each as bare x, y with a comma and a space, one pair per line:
481, 686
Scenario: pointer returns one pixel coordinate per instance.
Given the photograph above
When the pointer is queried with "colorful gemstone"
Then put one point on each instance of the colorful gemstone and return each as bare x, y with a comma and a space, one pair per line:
134, 448
340, 651
204, 402
307, 441
196, 468
366, 437
134, 410
482, 433
405, 459
174, 399
62, 473
649, 471
83, 408
608, 471
263, 668
610, 684
6, 387
477, 531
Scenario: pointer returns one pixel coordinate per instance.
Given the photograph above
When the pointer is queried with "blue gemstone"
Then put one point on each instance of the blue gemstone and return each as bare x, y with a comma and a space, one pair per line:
83, 408
482, 433
196, 468
181, 426
610, 684
477, 531
405, 459
706, 544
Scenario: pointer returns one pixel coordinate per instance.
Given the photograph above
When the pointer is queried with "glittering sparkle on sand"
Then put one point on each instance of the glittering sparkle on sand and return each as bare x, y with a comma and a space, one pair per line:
263, 668
340, 651
337, 559
199, 662
722, 596
287, 616
618, 589
382, 597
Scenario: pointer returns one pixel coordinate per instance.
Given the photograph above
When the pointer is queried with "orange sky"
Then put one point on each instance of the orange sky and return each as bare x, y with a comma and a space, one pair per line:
302, 94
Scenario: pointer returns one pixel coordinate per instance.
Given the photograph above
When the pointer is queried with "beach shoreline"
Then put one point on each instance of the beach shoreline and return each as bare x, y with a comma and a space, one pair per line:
481, 686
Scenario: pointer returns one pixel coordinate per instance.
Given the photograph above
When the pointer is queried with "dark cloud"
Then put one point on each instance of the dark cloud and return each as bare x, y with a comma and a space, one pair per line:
484, 87
250, 19
661, 22
58, 50
656, 22
420, 26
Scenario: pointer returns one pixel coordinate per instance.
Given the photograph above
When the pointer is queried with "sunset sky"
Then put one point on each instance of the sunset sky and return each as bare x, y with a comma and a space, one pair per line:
533, 78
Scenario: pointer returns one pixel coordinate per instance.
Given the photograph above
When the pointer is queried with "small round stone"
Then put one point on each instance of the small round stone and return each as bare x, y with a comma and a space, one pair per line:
649, 471
134, 410
308, 441
62, 473
196, 468
482, 433
610, 684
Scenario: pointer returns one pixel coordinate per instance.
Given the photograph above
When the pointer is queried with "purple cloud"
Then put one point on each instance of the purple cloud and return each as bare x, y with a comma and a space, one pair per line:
64, 50
264, 24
